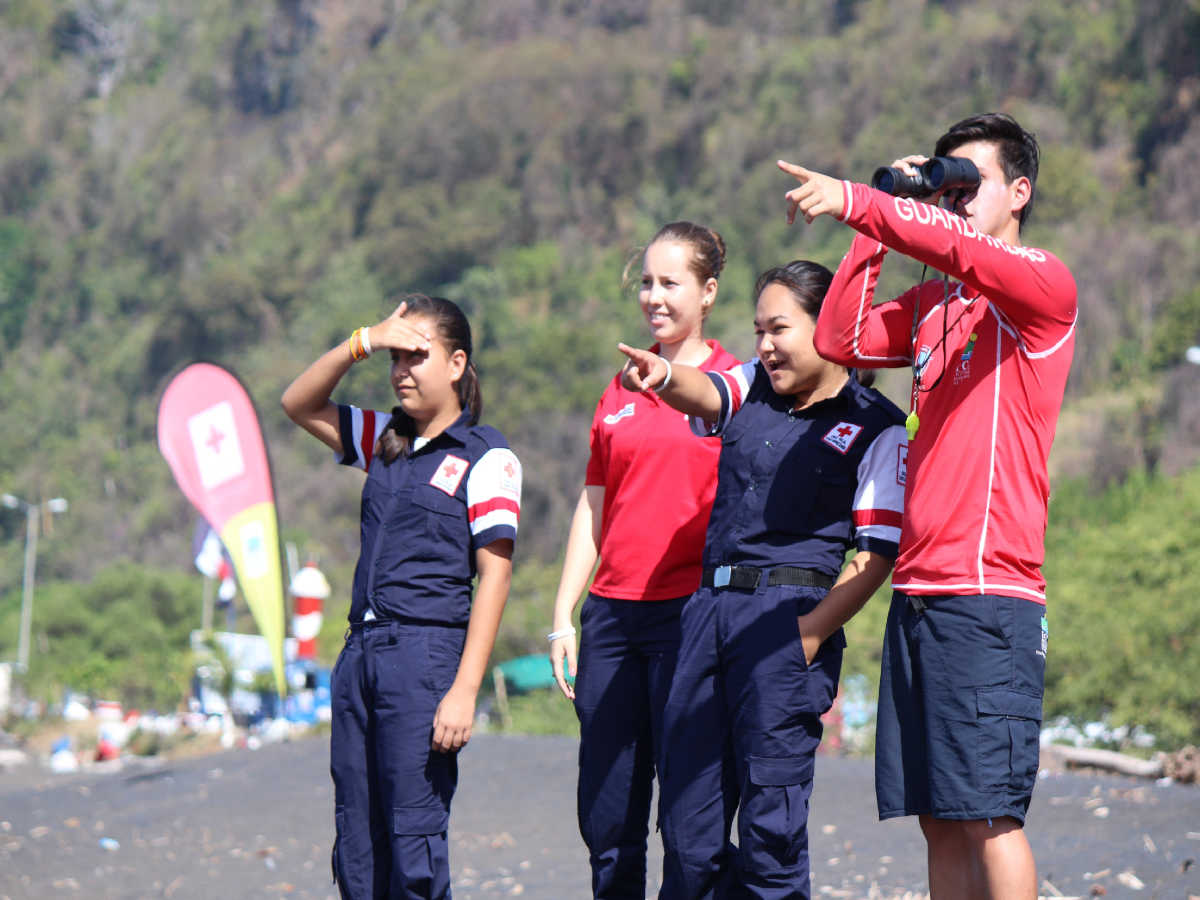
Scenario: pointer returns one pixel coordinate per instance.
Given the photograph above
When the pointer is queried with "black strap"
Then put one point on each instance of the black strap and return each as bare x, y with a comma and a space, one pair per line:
742, 578
800, 577
379, 622
747, 578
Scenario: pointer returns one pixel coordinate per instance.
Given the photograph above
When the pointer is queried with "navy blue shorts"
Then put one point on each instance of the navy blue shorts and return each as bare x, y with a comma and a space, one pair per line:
960, 706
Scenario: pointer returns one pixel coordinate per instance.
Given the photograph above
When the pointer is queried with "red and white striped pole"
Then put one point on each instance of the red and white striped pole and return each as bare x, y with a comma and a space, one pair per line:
309, 588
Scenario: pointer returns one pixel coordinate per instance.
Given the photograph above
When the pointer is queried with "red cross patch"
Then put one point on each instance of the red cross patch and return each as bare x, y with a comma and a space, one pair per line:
449, 474
842, 435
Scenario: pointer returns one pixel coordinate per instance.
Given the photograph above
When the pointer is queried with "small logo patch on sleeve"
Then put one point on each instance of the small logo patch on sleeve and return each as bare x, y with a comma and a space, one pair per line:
922, 360
842, 435
902, 464
510, 477
449, 474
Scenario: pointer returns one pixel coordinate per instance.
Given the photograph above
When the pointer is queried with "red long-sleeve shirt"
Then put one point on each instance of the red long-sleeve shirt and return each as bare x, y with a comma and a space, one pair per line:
991, 368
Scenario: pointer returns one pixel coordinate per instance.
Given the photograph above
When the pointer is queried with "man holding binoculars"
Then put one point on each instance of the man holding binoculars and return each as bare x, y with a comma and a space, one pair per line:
960, 698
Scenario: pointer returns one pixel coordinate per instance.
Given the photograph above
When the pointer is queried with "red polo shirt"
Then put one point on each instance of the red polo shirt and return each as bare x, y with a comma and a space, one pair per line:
659, 480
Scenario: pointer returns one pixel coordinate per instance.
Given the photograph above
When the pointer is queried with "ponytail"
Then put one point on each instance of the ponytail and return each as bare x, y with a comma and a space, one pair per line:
397, 438
470, 397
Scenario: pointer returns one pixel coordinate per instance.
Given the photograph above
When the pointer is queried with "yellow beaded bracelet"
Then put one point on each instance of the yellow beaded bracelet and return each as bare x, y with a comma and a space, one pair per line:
356, 352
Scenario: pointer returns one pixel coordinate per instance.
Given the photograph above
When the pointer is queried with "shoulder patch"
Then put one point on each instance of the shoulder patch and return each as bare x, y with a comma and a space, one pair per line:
510, 480
842, 436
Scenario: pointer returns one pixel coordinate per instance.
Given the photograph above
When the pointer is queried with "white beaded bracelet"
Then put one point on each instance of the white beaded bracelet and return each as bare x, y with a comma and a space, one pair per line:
565, 632
366, 340
666, 380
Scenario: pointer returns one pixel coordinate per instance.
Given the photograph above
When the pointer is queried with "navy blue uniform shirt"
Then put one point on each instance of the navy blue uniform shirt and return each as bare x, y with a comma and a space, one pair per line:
423, 516
800, 487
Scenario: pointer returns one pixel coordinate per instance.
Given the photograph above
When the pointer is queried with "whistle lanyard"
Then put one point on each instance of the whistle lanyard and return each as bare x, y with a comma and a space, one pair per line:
913, 422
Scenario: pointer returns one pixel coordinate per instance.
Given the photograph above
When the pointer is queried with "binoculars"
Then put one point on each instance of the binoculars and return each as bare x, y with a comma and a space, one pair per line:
942, 173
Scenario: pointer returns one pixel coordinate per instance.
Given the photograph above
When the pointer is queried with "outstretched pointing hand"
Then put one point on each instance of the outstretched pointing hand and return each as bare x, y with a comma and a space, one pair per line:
643, 369
817, 195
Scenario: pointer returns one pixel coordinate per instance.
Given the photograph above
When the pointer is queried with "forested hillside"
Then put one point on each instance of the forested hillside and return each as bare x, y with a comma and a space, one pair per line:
247, 182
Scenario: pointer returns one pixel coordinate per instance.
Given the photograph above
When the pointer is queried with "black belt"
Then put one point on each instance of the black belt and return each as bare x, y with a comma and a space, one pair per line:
747, 578
379, 622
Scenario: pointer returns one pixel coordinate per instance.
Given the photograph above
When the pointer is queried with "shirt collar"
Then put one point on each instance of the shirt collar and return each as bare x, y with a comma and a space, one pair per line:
710, 343
457, 431
845, 398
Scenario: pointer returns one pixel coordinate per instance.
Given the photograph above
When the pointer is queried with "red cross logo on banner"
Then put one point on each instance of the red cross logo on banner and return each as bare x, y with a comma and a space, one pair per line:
218, 454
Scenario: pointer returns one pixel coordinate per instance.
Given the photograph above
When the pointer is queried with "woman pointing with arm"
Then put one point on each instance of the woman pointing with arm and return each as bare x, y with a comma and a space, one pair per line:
642, 514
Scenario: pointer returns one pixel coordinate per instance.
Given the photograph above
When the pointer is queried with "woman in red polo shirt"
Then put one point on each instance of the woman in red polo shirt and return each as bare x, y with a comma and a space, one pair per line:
643, 513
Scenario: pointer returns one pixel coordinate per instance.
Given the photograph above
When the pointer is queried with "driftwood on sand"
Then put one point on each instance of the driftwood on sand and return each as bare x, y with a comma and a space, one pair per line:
1182, 766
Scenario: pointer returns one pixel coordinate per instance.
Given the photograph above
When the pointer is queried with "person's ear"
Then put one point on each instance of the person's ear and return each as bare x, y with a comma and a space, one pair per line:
708, 296
1022, 191
458, 364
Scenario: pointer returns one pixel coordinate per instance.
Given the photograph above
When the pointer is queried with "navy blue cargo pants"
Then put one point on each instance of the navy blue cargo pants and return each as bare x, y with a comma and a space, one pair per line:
626, 659
742, 726
391, 789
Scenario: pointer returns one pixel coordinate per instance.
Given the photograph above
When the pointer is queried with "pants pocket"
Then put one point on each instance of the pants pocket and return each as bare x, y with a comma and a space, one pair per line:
443, 651
420, 853
354, 860
407, 820
1009, 724
773, 820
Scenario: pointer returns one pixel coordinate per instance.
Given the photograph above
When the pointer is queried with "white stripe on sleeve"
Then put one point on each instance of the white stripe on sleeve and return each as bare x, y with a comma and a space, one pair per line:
733, 385
494, 495
879, 501
365, 428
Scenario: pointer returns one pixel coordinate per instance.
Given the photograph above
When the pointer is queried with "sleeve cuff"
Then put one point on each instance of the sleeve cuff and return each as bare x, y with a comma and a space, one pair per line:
887, 549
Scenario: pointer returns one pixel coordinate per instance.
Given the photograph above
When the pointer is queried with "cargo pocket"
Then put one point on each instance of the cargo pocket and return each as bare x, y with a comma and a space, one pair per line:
420, 859
1009, 725
774, 813
419, 820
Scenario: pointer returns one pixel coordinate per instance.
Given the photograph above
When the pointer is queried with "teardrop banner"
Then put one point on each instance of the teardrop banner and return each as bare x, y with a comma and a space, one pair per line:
209, 434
